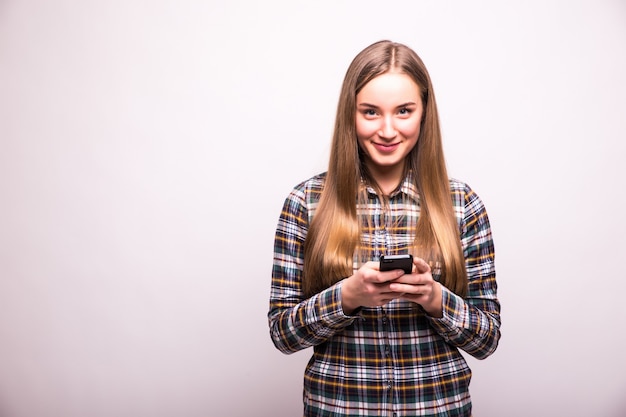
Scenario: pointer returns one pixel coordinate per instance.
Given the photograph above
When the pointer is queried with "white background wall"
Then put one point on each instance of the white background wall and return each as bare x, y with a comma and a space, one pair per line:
146, 148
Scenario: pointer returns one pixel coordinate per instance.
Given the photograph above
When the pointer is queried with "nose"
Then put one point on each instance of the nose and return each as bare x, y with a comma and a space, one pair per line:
387, 130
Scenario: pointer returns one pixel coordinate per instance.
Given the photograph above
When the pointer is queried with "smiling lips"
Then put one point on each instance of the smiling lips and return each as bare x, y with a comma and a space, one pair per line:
384, 148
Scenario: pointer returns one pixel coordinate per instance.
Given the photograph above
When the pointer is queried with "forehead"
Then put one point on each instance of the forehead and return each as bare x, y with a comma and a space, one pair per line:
390, 86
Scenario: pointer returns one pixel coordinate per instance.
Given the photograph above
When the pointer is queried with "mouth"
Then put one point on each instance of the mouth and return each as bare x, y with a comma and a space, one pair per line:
386, 148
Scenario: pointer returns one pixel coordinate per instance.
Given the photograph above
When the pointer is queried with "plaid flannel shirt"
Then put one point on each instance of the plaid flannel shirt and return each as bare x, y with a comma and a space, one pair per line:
393, 360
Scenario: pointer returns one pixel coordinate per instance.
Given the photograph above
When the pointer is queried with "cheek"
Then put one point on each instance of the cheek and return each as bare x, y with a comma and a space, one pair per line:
365, 128
410, 130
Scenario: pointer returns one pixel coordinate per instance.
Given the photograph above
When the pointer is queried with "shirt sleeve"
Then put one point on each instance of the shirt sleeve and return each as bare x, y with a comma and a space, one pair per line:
297, 323
473, 323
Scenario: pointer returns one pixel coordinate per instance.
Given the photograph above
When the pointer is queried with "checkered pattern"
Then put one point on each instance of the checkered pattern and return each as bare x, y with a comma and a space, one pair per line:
393, 360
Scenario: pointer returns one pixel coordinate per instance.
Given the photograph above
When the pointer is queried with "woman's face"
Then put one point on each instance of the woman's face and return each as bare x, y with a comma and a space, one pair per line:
388, 115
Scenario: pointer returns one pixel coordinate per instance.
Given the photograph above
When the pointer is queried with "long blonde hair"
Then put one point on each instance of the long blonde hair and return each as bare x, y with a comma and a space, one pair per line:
334, 232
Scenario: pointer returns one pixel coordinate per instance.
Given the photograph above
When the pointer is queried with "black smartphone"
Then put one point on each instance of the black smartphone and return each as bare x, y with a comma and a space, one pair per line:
391, 262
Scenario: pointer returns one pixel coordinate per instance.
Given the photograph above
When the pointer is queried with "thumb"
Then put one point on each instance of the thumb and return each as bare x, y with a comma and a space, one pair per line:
421, 266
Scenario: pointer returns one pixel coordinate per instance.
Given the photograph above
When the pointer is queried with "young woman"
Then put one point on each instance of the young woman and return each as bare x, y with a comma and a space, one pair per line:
385, 342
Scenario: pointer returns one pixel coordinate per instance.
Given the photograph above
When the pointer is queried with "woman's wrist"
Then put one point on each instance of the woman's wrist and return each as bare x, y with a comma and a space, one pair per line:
434, 307
348, 305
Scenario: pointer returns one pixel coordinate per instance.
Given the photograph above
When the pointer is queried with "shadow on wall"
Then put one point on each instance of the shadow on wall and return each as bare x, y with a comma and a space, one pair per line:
620, 410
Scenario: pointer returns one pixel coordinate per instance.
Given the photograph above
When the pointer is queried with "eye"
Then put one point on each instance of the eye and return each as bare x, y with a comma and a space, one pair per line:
405, 111
369, 113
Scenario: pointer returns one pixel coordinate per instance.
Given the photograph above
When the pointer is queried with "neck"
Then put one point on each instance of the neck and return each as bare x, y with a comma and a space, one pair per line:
387, 178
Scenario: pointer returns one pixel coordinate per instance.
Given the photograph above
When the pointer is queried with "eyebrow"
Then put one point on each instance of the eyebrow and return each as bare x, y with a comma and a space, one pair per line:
407, 104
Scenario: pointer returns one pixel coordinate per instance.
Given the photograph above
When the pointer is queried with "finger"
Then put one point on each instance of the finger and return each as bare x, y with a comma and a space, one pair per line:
387, 276
405, 288
372, 265
369, 273
421, 266
411, 279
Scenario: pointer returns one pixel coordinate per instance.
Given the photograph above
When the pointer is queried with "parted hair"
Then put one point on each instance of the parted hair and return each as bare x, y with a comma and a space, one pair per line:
334, 232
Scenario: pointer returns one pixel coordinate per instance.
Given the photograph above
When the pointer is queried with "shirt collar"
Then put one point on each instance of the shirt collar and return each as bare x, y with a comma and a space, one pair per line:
407, 187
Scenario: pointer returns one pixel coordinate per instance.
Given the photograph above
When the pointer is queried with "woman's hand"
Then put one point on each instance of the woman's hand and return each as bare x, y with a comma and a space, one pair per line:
420, 287
369, 287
